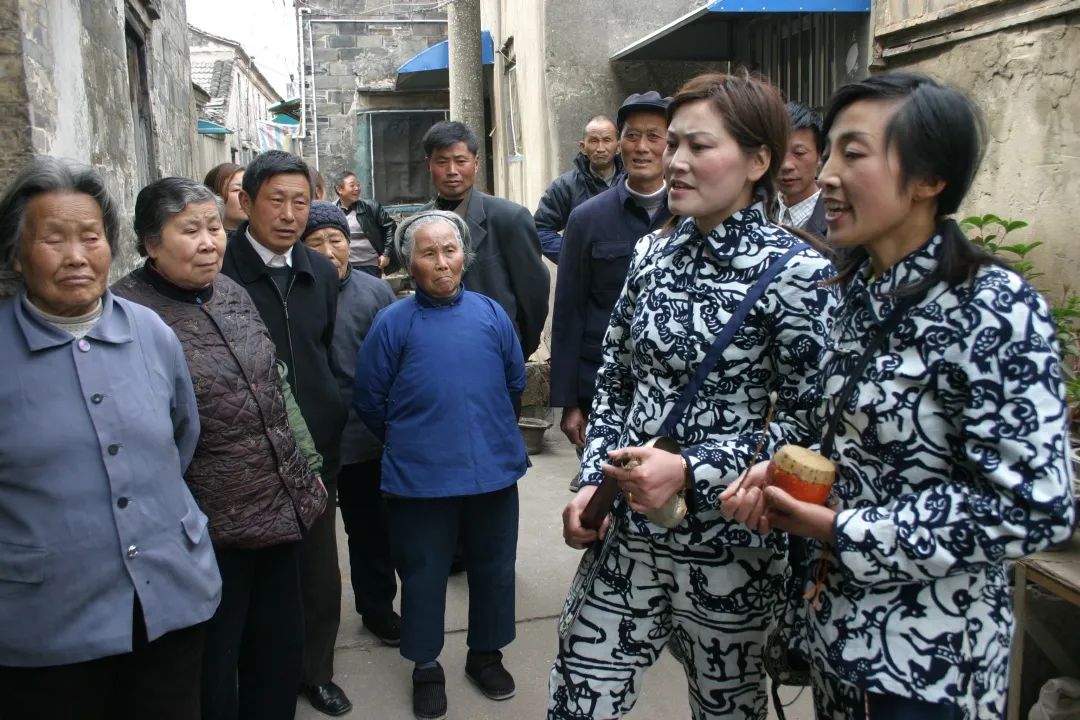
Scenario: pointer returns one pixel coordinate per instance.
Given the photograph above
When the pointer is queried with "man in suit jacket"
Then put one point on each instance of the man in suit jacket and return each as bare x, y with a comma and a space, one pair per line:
508, 266
799, 203
296, 292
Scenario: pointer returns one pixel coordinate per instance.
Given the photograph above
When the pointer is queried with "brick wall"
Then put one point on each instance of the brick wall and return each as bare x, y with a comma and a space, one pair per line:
358, 51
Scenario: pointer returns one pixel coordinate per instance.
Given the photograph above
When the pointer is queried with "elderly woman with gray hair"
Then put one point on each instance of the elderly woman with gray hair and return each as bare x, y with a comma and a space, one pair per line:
249, 473
439, 379
107, 574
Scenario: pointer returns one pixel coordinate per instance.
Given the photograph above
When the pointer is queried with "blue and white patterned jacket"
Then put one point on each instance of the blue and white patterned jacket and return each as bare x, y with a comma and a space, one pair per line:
952, 459
680, 290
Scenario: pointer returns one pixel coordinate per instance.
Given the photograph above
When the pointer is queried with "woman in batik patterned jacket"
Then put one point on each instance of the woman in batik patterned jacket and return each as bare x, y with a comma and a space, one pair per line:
706, 586
952, 449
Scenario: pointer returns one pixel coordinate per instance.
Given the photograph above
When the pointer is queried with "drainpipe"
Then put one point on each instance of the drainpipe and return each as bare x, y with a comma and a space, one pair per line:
467, 73
300, 54
314, 101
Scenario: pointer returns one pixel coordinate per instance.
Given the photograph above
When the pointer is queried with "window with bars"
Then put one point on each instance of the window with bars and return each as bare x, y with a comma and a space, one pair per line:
399, 171
807, 55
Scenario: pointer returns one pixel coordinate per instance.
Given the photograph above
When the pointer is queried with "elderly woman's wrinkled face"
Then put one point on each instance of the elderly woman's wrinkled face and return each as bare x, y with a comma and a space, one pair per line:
191, 247
64, 255
331, 243
437, 259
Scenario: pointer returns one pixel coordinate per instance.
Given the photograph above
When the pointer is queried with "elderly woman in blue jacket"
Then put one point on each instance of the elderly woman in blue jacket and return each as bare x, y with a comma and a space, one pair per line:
439, 379
107, 574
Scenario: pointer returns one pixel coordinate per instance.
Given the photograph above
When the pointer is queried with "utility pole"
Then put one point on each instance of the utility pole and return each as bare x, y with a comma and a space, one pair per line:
467, 74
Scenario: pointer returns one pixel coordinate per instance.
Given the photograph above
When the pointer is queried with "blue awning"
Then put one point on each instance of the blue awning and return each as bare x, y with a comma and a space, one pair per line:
429, 70
284, 119
706, 33
207, 127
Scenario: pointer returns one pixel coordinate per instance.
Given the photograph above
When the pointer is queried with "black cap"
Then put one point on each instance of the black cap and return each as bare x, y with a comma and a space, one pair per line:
650, 100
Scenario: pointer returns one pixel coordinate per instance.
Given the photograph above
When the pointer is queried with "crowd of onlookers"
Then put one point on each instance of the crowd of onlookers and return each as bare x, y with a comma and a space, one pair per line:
734, 275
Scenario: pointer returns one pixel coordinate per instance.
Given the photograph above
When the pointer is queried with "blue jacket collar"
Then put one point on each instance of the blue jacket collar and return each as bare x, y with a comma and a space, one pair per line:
113, 327
425, 300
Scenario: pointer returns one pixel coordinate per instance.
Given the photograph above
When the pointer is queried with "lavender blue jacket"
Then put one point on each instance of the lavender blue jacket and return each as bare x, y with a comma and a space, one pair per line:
93, 504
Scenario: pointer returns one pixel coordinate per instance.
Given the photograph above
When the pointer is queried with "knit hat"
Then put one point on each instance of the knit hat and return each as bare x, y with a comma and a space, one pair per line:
325, 214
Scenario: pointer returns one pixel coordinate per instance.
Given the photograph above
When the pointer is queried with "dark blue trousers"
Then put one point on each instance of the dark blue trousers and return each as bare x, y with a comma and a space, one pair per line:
893, 707
423, 532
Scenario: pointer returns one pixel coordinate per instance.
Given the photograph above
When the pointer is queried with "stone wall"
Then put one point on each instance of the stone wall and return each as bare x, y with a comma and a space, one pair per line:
358, 46
1027, 82
69, 74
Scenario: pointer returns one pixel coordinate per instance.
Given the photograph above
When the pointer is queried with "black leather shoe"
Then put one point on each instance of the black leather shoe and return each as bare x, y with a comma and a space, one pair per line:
328, 699
387, 629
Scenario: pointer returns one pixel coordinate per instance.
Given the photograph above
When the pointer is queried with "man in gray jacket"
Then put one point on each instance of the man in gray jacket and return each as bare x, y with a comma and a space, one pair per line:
361, 296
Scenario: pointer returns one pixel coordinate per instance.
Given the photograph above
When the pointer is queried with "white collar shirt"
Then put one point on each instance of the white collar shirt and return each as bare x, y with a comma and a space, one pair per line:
798, 214
269, 257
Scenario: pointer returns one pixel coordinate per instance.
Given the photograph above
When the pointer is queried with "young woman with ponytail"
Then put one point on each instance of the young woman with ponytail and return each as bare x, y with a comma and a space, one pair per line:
952, 446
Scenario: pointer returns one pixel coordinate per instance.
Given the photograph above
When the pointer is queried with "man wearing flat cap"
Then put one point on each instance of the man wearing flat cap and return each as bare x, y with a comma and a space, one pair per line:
597, 245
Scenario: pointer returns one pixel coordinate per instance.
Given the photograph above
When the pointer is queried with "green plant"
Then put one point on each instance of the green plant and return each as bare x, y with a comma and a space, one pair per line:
991, 232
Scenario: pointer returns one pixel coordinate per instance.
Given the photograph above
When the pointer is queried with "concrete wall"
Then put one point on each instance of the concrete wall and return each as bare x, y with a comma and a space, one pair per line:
69, 75
562, 50
358, 46
209, 151
1027, 82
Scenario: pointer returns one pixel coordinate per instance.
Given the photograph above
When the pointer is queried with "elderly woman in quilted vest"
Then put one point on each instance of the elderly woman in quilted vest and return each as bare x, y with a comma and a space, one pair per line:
249, 473
946, 419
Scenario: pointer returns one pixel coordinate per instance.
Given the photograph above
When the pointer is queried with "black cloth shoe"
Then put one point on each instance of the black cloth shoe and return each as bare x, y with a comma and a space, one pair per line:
486, 671
387, 629
329, 699
429, 693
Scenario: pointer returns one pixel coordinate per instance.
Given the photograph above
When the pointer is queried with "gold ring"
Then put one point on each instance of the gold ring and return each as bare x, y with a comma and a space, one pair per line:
629, 497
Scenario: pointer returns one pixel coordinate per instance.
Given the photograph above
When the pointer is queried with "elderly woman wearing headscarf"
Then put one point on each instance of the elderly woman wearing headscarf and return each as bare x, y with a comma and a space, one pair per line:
107, 573
248, 473
440, 378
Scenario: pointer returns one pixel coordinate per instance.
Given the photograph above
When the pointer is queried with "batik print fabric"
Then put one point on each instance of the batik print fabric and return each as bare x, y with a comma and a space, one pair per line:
711, 606
952, 457
709, 584
679, 292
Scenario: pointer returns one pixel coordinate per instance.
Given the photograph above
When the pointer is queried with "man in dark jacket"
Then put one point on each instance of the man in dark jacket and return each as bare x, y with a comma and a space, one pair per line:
360, 297
508, 267
295, 290
597, 167
799, 203
371, 229
597, 245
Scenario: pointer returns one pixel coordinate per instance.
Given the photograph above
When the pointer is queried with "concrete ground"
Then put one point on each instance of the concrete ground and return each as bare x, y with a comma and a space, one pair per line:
378, 680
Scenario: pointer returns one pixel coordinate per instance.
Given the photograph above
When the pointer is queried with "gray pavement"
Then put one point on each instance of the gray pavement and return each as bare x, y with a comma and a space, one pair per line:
378, 679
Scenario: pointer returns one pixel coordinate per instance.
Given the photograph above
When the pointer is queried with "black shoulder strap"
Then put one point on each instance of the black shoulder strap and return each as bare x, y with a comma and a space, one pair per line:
724, 339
